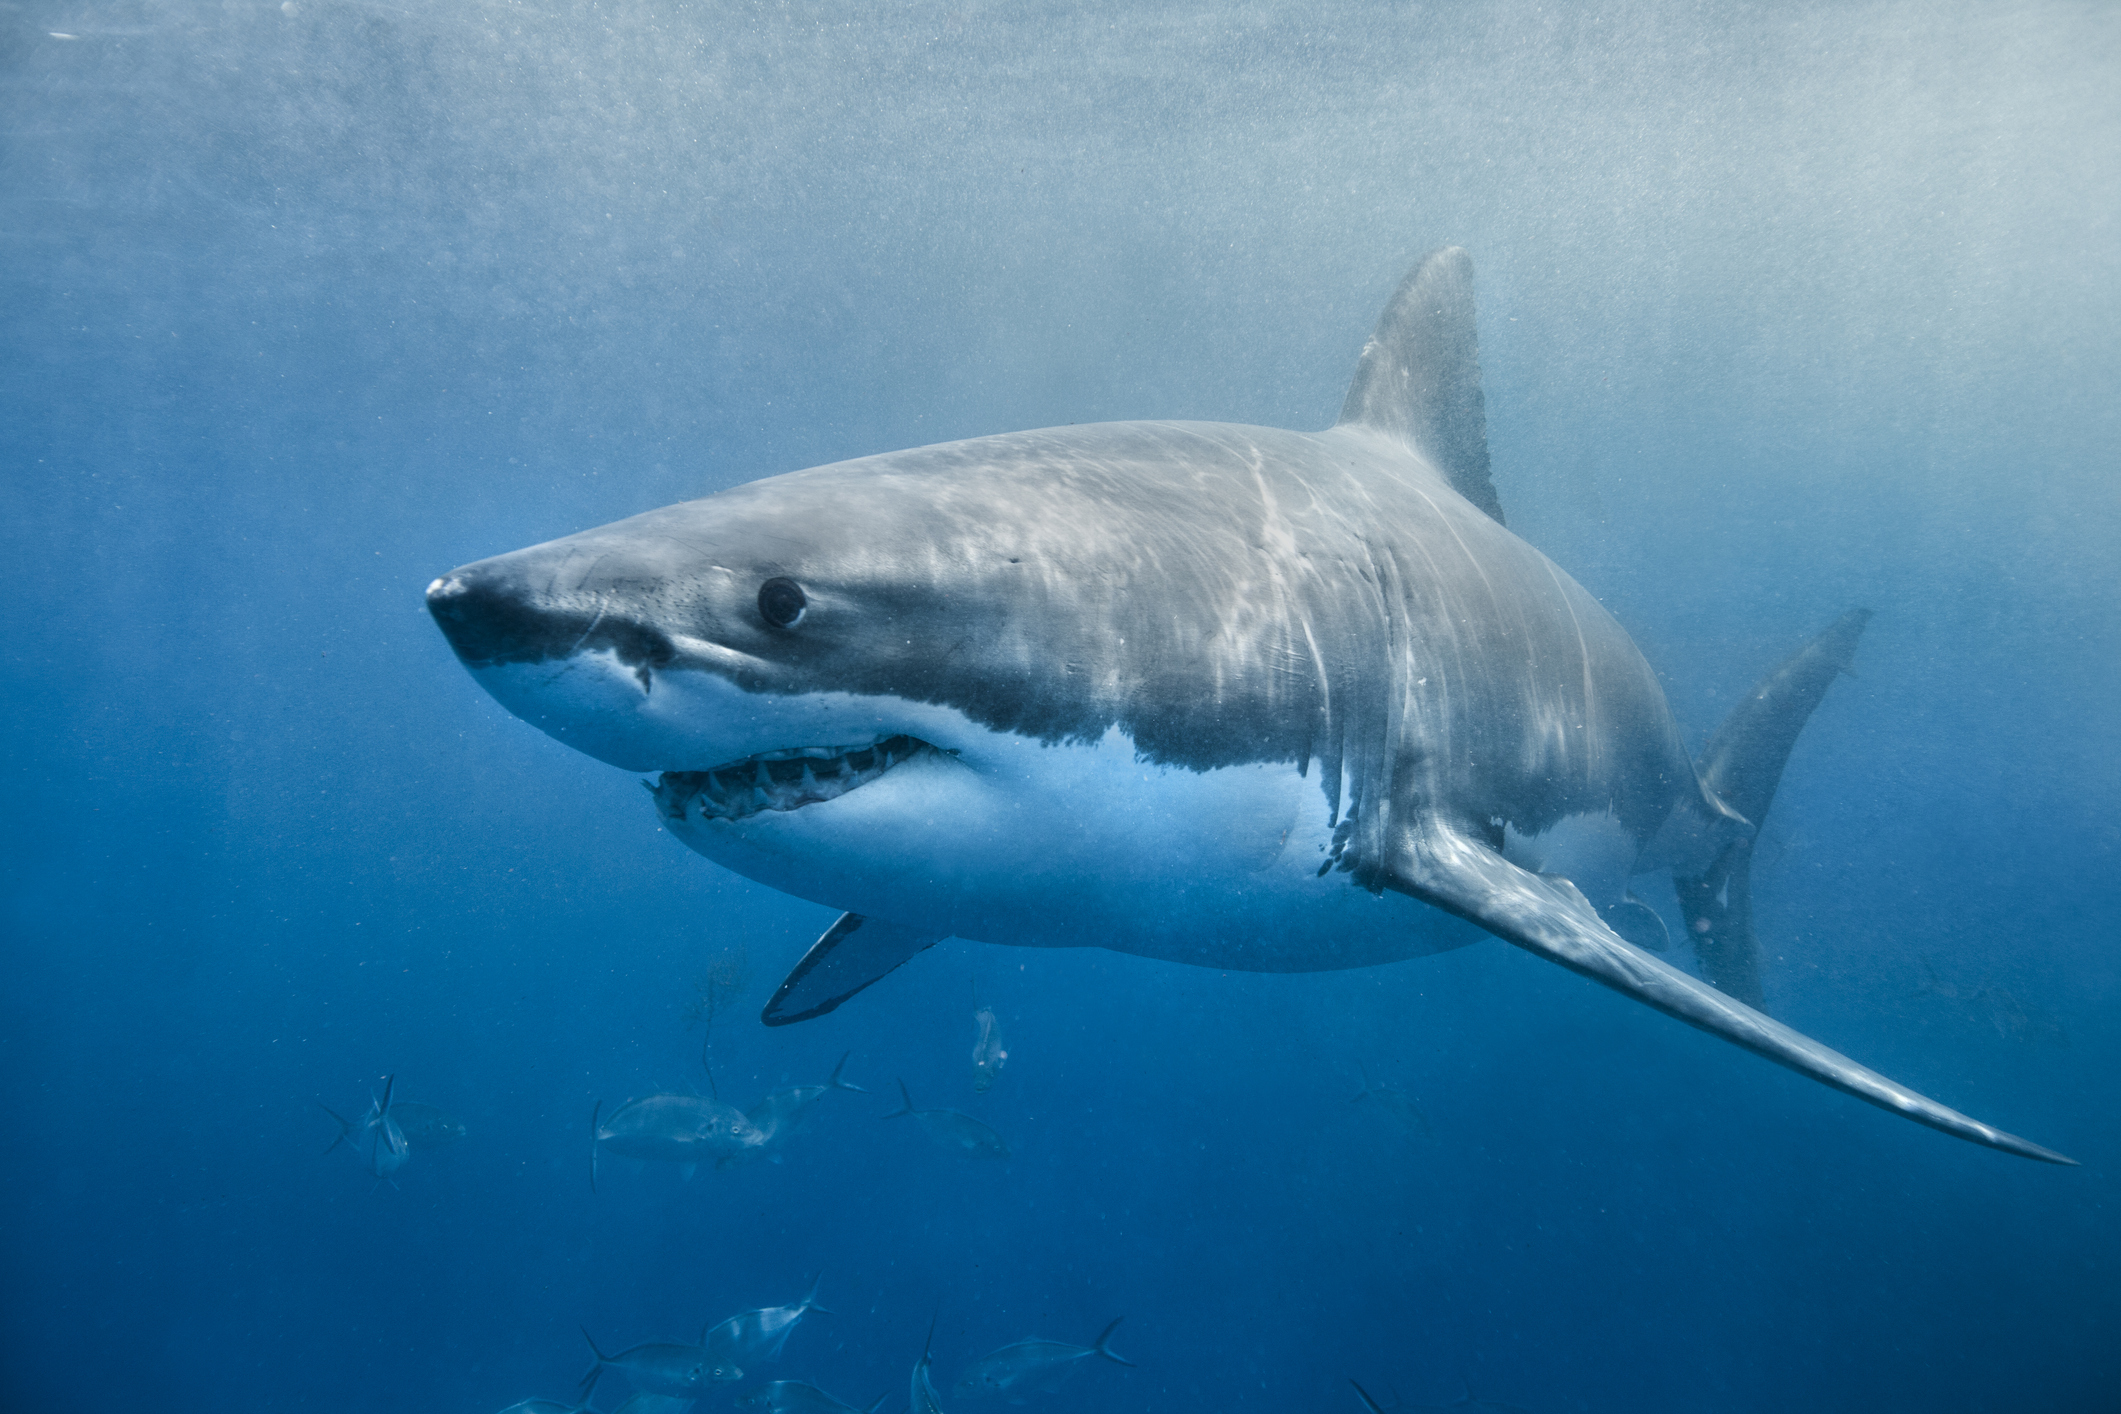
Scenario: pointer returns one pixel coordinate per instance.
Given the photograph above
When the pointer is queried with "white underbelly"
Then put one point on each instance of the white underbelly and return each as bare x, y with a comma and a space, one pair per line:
1084, 845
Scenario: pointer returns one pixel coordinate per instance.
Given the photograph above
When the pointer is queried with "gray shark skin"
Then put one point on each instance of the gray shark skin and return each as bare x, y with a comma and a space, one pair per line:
1231, 696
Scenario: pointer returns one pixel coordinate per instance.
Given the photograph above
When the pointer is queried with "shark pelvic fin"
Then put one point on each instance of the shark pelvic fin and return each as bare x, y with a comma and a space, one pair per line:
1419, 377
1636, 921
1545, 914
854, 952
1741, 766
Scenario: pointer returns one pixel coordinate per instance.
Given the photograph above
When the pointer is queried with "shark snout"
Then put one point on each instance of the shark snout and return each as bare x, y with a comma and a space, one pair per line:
492, 617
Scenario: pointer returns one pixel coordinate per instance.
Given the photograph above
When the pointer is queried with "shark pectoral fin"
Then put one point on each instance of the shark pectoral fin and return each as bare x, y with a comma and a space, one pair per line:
854, 952
1545, 914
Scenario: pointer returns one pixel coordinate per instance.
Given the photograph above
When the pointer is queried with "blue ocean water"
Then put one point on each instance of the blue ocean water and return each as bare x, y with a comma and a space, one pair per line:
1784, 308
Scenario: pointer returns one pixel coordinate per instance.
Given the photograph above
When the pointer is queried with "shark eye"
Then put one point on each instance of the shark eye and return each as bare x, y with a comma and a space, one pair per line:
781, 602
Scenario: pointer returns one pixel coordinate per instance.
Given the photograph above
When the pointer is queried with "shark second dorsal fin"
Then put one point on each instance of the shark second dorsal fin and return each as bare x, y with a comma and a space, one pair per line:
1419, 378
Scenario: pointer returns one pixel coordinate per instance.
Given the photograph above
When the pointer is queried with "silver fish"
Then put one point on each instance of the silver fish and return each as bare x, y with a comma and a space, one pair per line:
377, 1139
1394, 1102
784, 1113
959, 1133
685, 1371
795, 1397
753, 1336
424, 1126
2012, 1019
923, 1397
1034, 1364
988, 1054
685, 1130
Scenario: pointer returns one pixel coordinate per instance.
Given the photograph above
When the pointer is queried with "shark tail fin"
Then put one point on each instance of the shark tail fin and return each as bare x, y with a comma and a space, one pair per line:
1741, 766
1368, 1403
905, 1095
1418, 381
1104, 1349
835, 1083
878, 1407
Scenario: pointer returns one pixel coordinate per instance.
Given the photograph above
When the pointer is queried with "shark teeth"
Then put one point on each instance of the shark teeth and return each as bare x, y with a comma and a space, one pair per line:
788, 779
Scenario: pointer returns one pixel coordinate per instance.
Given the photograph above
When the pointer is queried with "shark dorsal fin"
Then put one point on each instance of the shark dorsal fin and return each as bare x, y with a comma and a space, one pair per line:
1419, 378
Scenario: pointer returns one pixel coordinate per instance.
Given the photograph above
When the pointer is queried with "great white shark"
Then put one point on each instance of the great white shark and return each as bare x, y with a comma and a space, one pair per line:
1224, 695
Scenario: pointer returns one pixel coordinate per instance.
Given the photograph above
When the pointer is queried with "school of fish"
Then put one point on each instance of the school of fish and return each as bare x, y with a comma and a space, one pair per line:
730, 1357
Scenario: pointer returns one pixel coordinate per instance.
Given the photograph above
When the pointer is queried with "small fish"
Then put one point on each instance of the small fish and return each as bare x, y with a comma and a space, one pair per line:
1034, 1364
2012, 1019
753, 1336
988, 1055
795, 1397
686, 1371
424, 1126
685, 1130
923, 1398
784, 1113
1394, 1102
961, 1134
377, 1140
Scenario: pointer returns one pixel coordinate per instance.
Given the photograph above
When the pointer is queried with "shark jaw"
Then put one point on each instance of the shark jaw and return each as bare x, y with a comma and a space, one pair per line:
784, 780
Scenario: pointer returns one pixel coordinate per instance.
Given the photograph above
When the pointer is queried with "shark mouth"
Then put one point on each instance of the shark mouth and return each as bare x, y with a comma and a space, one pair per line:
779, 780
